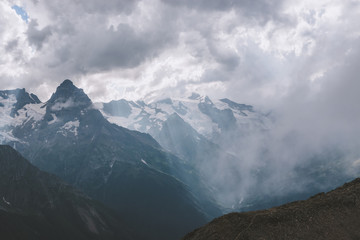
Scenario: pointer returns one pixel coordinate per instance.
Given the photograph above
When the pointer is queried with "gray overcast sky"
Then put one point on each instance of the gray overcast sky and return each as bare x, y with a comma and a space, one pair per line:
262, 52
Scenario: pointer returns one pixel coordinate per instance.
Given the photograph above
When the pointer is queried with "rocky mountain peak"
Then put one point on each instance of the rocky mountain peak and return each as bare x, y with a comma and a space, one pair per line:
67, 98
68, 102
68, 91
67, 83
18, 98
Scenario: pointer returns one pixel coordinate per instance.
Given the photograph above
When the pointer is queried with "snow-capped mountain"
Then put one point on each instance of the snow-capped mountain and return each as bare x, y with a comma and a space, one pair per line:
193, 128
13, 111
206, 155
126, 170
208, 118
229, 144
198, 130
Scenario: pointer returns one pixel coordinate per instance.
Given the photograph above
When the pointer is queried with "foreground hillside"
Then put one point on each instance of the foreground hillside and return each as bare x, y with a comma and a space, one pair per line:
37, 205
332, 215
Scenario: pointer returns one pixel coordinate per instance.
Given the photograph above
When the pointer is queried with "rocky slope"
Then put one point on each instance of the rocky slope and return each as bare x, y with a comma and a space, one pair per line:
37, 205
332, 215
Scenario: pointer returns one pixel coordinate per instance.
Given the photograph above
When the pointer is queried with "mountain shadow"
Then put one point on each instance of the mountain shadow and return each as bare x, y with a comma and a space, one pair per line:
38, 205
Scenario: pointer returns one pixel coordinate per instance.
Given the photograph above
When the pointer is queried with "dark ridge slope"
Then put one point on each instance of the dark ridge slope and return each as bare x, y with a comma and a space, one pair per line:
333, 215
37, 205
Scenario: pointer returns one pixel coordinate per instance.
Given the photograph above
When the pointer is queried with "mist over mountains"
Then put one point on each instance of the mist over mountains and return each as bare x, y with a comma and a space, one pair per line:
177, 112
169, 166
253, 159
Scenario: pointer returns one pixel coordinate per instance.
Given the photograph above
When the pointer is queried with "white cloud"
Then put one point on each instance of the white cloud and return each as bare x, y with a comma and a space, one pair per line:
69, 103
14, 50
251, 52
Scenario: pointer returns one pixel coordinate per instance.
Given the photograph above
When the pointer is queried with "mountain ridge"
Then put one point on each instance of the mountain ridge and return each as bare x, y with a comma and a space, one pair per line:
331, 215
109, 163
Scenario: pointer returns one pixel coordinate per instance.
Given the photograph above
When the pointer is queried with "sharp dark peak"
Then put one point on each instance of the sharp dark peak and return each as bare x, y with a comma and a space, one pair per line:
67, 83
67, 102
68, 91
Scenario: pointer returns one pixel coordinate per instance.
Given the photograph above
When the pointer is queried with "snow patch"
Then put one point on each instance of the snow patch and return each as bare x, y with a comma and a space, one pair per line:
112, 163
71, 126
8, 203
144, 162
29, 113
54, 119
6, 137
5, 118
63, 105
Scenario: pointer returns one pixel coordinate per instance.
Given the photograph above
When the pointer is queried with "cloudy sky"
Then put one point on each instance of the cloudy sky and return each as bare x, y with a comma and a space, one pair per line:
263, 52
299, 60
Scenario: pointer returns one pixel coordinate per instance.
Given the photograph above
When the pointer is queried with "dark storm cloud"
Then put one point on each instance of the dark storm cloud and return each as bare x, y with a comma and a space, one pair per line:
11, 45
37, 37
228, 59
85, 42
260, 11
88, 37
123, 48
68, 7
124, 6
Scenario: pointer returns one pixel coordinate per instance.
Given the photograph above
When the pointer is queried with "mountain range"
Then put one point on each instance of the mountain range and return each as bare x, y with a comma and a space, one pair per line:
162, 168
195, 129
126, 170
229, 144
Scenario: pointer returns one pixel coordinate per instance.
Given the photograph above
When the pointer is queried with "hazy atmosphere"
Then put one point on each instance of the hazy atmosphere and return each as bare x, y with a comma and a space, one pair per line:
264, 107
295, 61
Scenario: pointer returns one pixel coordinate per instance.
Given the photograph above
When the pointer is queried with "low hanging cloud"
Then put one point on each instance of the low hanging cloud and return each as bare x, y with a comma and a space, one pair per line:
59, 105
